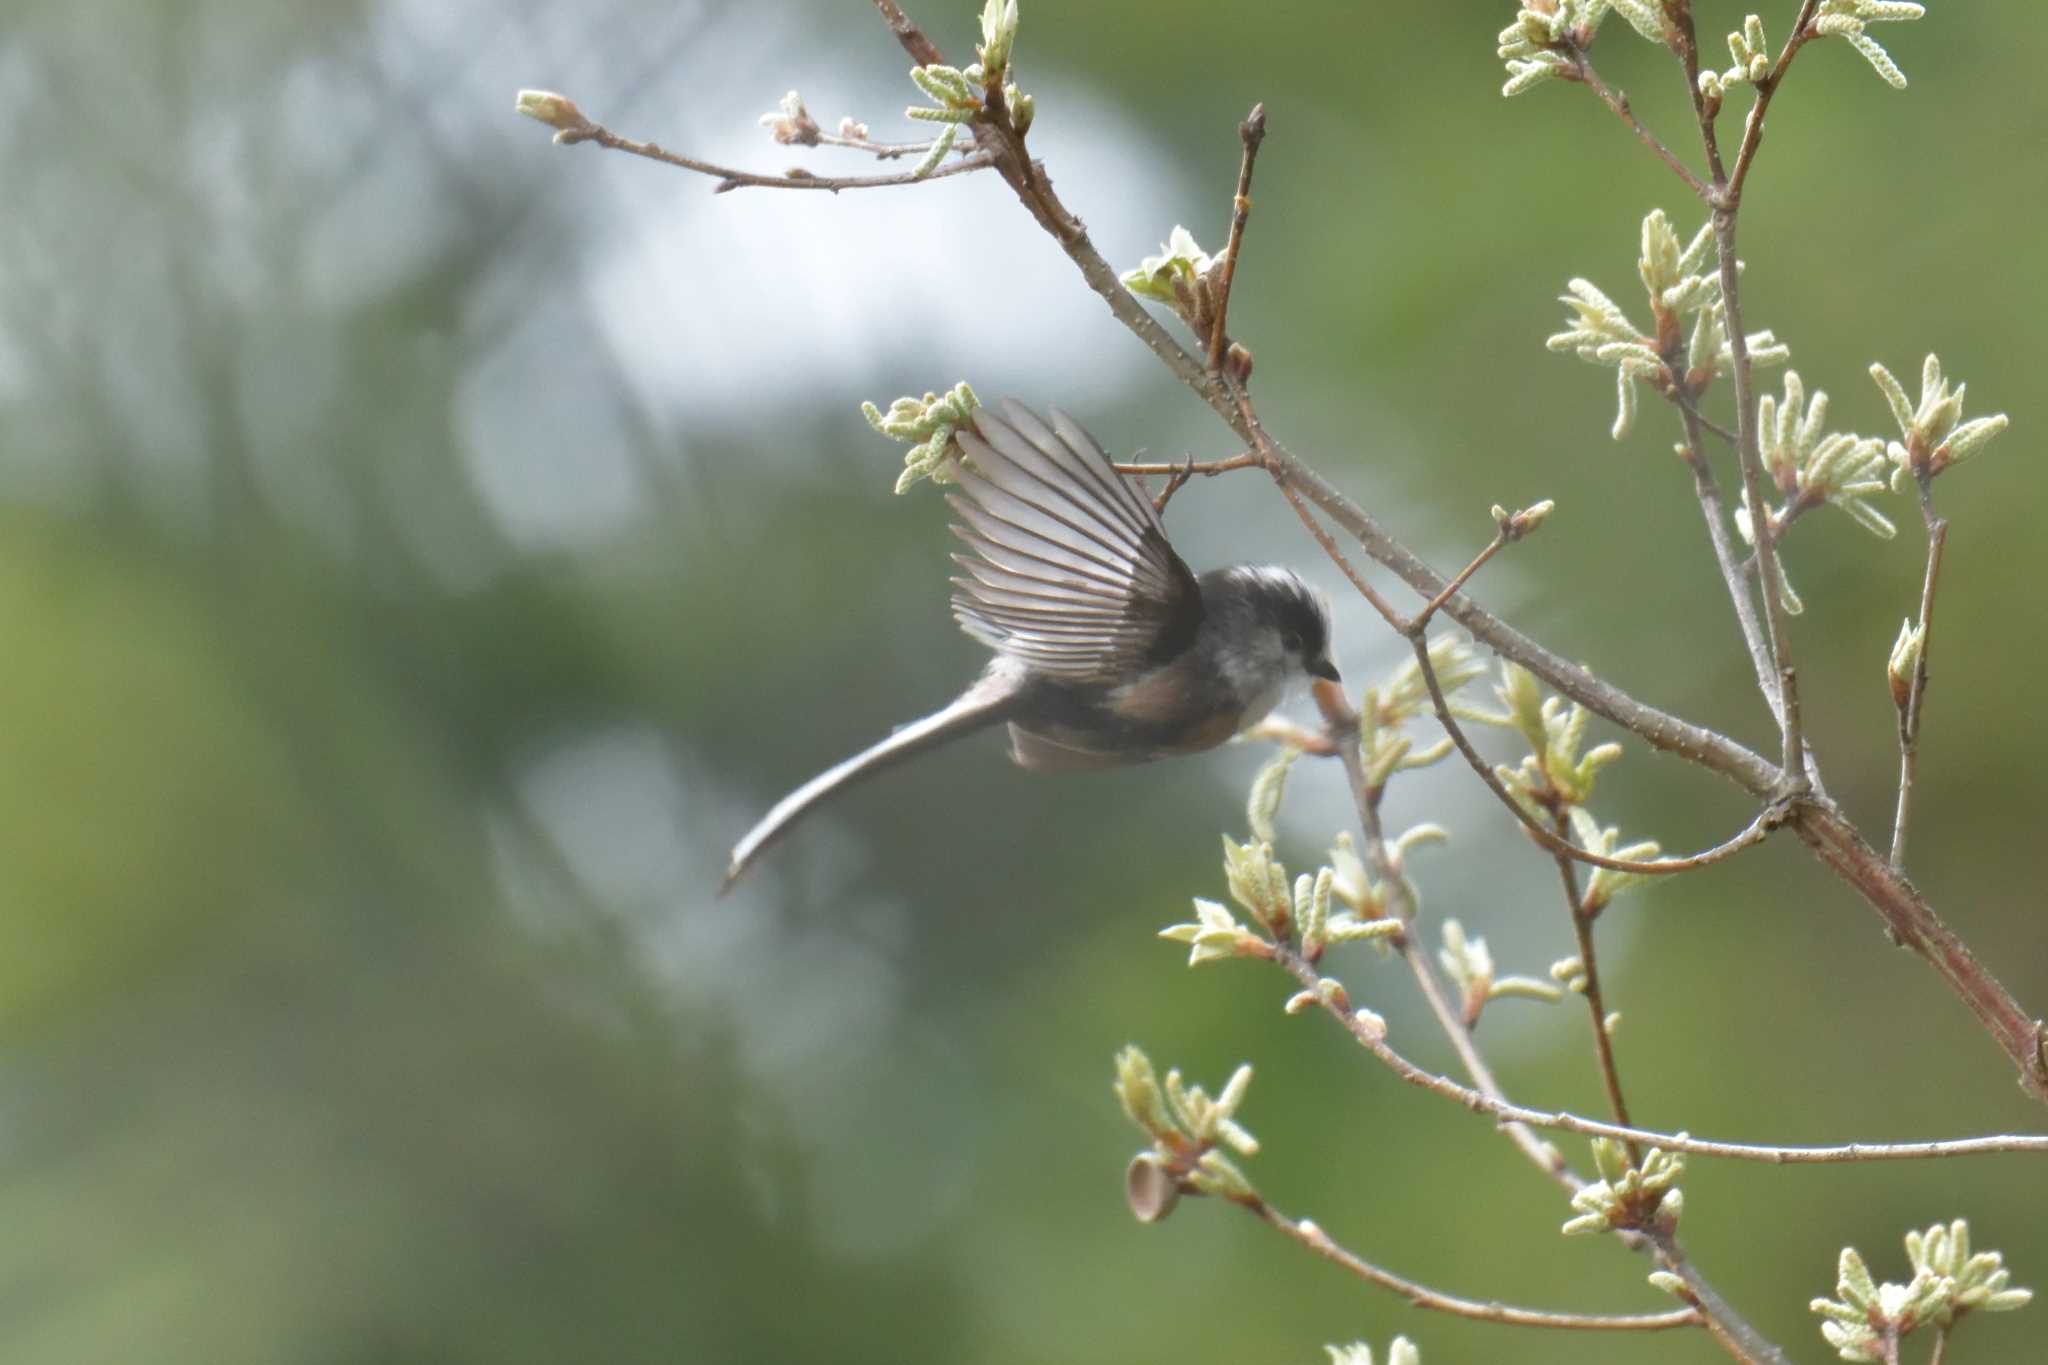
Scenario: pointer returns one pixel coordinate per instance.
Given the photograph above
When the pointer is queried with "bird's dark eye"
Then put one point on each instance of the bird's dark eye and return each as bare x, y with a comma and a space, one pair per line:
1291, 641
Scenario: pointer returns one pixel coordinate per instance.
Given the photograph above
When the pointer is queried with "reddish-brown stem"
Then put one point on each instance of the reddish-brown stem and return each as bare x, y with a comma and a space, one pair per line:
1707, 489
1911, 922
1322, 538
732, 178
1252, 132
1582, 70
920, 48
1755, 832
1308, 1235
1484, 1101
1207, 469
1589, 966
1420, 621
1753, 127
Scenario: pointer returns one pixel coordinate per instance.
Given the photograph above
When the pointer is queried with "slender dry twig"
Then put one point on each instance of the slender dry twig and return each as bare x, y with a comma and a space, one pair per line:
1342, 723
1707, 489
1311, 1236
1909, 714
1495, 1106
921, 49
1753, 127
1755, 832
882, 151
1582, 70
1749, 456
1420, 621
1589, 987
731, 178
1207, 469
1251, 133
1322, 538
1177, 475
1724, 197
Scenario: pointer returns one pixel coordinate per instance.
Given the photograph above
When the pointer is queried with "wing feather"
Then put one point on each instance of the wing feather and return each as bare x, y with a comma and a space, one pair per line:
1071, 570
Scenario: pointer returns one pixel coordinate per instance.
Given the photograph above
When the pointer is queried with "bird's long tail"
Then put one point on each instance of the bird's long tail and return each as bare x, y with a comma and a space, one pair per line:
986, 703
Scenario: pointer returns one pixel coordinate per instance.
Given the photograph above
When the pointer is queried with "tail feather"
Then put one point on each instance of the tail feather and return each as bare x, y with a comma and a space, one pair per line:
986, 703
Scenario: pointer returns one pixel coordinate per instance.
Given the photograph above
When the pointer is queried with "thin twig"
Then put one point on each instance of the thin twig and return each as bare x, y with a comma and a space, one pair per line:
1728, 1327
1909, 714
921, 49
1251, 133
1322, 537
1704, 112
1553, 840
1207, 469
1312, 1237
1343, 726
1749, 456
1753, 128
1708, 491
1582, 70
1755, 832
1720, 1318
1177, 475
731, 178
1369, 1035
1724, 197
1420, 621
881, 151
1940, 1351
1589, 986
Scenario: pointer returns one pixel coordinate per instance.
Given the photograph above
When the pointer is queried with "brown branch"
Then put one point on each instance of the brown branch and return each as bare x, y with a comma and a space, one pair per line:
1916, 699
1589, 965
1724, 197
1370, 1035
1707, 489
1312, 1237
1582, 70
1911, 922
881, 151
1343, 728
921, 49
1833, 840
1723, 1323
1251, 133
1755, 832
1750, 459
1177, 475
731, 178
1753, 128
1420, 621
1207, 469
1718, 1316
1322, 538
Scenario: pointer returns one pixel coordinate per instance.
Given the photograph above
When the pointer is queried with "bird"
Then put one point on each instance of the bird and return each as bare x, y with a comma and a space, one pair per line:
1108, 649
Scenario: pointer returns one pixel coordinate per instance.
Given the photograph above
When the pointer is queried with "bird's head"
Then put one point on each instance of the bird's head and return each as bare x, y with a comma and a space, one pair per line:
1277, 616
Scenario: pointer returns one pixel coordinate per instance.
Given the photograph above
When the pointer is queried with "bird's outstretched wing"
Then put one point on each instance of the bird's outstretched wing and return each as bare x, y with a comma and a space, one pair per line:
1071, 571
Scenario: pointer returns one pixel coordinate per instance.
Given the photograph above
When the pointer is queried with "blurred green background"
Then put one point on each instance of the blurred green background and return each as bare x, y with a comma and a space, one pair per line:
425, 549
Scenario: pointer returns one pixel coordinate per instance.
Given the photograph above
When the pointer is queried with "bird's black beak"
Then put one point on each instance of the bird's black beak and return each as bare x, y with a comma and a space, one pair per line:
1323, 668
